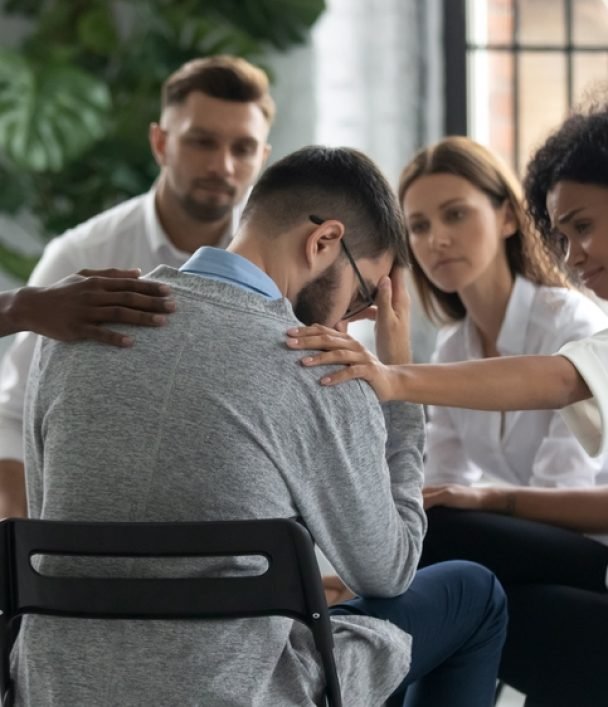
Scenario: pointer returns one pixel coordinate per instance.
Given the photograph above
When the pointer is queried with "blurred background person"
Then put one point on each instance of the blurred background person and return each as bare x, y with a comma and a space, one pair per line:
210, 144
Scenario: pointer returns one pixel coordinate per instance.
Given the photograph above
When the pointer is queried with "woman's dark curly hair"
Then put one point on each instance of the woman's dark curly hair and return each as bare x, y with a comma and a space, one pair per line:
577, 151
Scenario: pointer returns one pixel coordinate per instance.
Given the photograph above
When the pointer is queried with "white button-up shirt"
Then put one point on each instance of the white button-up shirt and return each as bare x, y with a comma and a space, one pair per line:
533, 448
126, 236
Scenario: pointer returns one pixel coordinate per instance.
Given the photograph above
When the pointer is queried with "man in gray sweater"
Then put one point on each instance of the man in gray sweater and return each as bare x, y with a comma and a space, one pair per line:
209, 418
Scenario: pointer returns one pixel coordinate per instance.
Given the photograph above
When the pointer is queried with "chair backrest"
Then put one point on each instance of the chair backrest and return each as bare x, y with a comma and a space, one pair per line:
291, 586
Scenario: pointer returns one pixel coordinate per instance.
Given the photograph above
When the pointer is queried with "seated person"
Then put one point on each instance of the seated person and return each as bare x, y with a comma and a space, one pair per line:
209, 418
210, 143
555, 577
481, 270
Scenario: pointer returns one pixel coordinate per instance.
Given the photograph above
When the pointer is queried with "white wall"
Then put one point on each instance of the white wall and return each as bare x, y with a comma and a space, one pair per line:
371, 79
368, 79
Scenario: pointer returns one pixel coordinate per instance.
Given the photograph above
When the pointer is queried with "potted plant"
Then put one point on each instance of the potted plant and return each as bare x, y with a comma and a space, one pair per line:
81, 87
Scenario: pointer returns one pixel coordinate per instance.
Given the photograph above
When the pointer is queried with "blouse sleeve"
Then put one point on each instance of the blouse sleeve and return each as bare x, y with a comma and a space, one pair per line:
588, 419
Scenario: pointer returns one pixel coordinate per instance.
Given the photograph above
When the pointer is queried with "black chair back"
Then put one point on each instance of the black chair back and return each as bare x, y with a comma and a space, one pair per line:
290, 587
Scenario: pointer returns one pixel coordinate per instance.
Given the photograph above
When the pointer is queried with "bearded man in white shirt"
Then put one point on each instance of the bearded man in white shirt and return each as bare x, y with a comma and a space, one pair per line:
210, 144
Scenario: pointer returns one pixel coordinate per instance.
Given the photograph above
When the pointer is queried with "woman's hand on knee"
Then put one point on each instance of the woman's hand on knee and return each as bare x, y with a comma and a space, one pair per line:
454, 496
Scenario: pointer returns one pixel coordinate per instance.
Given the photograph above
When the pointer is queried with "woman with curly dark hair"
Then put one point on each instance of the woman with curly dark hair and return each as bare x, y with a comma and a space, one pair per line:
532, 538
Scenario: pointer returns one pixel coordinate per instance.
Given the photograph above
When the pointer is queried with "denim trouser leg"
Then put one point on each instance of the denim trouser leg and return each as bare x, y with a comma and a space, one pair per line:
456, 613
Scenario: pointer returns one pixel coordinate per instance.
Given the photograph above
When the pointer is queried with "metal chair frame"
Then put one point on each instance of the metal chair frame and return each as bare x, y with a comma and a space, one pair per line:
290, 587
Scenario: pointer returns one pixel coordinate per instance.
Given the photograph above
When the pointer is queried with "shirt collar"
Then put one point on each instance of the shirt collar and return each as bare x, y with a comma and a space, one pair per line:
160, 241
512, 336
230, 267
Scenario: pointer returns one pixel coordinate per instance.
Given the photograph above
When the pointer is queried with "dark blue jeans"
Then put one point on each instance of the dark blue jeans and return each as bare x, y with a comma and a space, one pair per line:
456, 613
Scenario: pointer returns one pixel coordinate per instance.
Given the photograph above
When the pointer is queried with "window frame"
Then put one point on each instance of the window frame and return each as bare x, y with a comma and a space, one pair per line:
457, 48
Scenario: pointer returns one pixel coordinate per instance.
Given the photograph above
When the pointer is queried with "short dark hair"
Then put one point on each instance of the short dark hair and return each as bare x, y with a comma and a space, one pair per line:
577, 151
331, 183
229, 78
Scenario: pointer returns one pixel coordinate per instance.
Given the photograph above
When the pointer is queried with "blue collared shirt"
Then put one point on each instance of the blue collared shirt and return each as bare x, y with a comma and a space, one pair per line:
218, 264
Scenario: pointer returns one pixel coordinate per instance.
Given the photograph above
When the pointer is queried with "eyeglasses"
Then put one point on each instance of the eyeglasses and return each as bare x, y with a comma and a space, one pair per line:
367, 297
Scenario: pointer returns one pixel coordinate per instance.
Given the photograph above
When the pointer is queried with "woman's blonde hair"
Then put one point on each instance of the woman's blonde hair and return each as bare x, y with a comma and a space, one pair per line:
527, 255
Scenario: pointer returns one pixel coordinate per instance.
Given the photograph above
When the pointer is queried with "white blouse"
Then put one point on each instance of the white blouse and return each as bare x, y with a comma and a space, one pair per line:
588, 419
529, 448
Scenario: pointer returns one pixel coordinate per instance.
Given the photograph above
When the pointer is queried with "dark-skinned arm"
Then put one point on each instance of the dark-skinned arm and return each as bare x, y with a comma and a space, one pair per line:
78, 306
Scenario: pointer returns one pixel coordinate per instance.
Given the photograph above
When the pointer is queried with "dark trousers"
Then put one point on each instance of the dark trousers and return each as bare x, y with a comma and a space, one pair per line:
456, 615
557, 641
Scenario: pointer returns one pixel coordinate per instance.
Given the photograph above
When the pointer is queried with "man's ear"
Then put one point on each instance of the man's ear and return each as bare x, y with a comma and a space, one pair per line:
266, 153
323, 245
509, 223
158, 142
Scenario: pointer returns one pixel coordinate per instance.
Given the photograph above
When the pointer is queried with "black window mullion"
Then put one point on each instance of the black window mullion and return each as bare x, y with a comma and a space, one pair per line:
455, 67
458, 49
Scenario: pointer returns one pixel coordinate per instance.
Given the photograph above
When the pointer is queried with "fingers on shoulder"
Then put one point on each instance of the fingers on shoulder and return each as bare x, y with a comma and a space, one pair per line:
353, 372
111, 273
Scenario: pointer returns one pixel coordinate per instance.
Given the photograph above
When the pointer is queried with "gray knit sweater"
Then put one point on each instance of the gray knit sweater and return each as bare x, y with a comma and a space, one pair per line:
211, 417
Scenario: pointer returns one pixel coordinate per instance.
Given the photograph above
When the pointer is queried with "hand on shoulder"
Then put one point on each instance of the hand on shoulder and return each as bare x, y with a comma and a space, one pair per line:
76, 307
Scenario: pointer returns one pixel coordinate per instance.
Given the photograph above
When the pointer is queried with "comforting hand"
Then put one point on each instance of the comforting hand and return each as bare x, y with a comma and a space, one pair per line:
335, 590
391, 315
454, 496
340, 348
76, 307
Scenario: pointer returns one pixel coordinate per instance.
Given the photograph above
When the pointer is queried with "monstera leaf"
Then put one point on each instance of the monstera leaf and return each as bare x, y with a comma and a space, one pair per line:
63, 155
282, 23
49, 115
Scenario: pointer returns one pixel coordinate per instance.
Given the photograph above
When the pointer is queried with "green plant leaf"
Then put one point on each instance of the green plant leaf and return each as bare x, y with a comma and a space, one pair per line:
63, 155
97, 30
282, 23
49, 115
23, 7
15, 189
